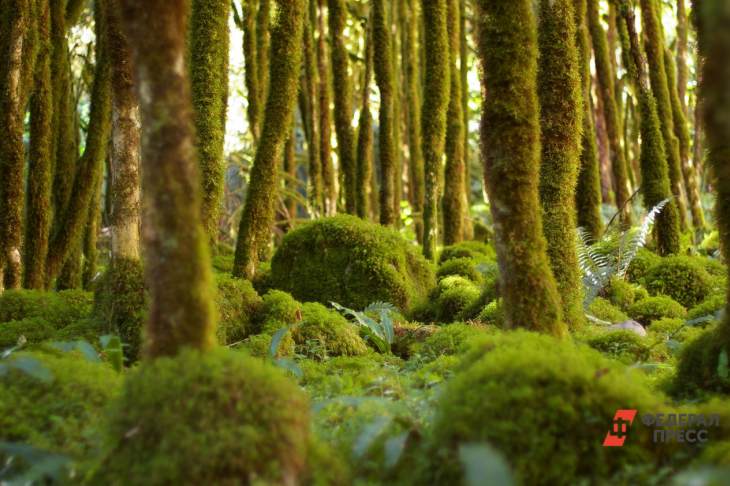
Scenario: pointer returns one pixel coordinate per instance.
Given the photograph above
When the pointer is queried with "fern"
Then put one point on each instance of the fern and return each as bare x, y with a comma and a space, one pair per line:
379, 332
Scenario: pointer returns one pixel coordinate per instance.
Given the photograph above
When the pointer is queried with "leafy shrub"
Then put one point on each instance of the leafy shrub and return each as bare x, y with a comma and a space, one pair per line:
60, 412
329, 329
681, 278
58, 309
34, 330
652, 308
237, 303
475, 250
520, 391
624, 345
605, 311
409, 335
353, 262
450, 339
221, 418
464, 266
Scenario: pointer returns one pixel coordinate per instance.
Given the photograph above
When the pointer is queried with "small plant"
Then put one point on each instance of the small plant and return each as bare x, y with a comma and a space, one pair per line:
379, 332
598, 266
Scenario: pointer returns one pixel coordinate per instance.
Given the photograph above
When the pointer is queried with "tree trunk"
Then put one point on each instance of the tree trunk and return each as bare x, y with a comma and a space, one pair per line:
365, 135
413, 100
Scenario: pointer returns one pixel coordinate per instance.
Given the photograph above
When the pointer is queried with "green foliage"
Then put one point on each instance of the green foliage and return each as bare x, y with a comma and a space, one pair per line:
647, 310
508, 376
464, 266
710, 243
624, 345
58, 309
237, 303
641, 264
680, 277
701, 365
621, 293
380, 332
468, 249
33, 329
708, 307
449, 340
62, 412
492, 314
452, 302
279, 307
408, 336
326, 328
605, 311
220, 417
353, 262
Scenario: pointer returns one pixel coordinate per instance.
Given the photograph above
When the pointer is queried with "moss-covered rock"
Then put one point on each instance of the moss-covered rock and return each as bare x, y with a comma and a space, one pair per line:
33, 329
321, 327
59, 414
492, 314
352, 262
507, 377
626, 346
647, 310
622, 293
58, 309
642, 263
454, 297
464, 266
680, 277
279, 306
249, 419
468, 249
708, 307
699, 367
451, 339
238, 304
605, 311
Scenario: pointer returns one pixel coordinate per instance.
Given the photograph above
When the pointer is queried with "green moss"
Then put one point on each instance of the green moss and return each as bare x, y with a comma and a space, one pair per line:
449, 340
710, 306
623, 345
61, 414
237, 303
560, 99
621, 293
33, 329
507, 42
647, 310
681, 278
492, 313
674, 328
364, 172
452, 302
352, 262
710, 243
436, 89
279, 306
58, 309
411, 58
327, 329
208, 62
250, 420
468, 249
121, 304
697, 369
508, 376
644, 261
87, 330
408, 336
604, 310
259, 345
466, 267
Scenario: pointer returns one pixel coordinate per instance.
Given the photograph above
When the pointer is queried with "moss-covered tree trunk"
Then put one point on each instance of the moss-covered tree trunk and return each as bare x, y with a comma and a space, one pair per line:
325, 117
383, 64
177, 268
655, 185
263, 48
124, 177
412, 74
435, 107
342, 87
259, 209
250, 59
71, 219
14, 33
511, 149
588, 188
454, 199
561, 110
38, 197
682, 69
310, 114
365, 135
91, 234
607, 90
464, 52
654, 46
209, 41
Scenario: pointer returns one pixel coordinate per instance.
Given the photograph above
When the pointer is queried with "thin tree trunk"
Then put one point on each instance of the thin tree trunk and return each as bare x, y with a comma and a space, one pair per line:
365, 135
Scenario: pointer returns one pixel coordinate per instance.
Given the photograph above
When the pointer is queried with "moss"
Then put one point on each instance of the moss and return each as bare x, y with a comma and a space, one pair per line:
681, 278
329, 330
710, 243
453, 302
493, 399
709, 306
560, 98
697, 368
454, 200
625, 346
87, 330
408, 336
38, 196
673, 328
59, 415
467, 249
33, 329
248, 417
279, 306
259, 345
611, 114
507, 47
342, 88
647, 310
492, 313
449, 340
208, 62
364, 172
466, 267
58, 309
254, 232
237, 303
604, 310
644, 261
411, 57
352, 262
621, 293
434, 111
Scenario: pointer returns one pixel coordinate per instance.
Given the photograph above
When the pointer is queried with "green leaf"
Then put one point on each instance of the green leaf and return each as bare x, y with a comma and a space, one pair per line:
369, 435
31, 367
86, 349
722, 365
43, 465
484, 465
290, 366
276, 341
394, 449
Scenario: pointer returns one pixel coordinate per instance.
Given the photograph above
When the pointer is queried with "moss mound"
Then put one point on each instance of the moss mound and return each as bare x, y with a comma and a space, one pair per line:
680, 277
641, 264
221, 418
325, 330
652, 308
545, 404
33, 329
121, 304
237, 303
279, 307
626, 346
59, 414
475, 250
463, 266
606, 311
697, 369
449, 340
58, 309
352, 262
